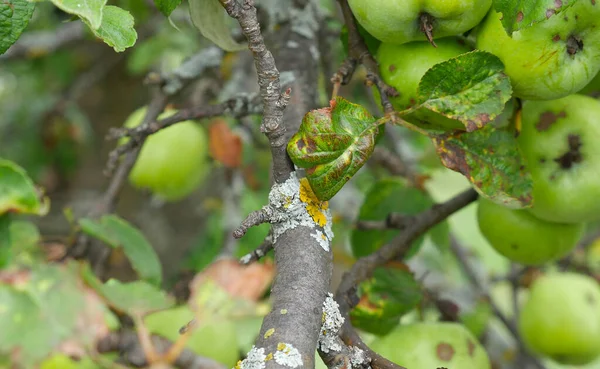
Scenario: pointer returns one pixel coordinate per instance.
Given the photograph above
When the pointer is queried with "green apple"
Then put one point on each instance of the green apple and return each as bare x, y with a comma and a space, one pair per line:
592, 88
558, 141
432, 345
403, 66
523, 238
401, 21
173, 161
551, 59
561, 318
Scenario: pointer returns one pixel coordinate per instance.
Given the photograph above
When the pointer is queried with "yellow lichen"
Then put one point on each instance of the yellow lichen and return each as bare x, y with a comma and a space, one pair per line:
283, 311
281, 346
238, 365
269, 333
315, 208
269, 357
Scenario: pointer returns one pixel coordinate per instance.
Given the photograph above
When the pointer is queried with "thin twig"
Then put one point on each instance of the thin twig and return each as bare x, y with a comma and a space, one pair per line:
259, 252
237, 107
128, 345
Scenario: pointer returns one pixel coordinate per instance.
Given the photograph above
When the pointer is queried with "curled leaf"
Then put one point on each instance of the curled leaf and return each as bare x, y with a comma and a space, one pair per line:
333, 143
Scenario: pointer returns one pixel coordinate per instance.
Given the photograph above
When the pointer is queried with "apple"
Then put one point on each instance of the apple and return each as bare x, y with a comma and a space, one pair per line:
403, 66
551, 59
523, 238
432, 345
401, 21
172, 162
558, 141
561, 318
592, 88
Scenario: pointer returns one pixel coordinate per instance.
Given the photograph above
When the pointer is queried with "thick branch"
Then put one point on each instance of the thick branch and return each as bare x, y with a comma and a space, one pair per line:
274, 101
303, 265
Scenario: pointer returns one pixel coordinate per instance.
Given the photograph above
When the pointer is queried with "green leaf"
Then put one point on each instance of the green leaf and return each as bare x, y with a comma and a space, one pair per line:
333, 143
88, 10
23, 247
213, 22
471, 88
519, 14
5, 241
116, 232
14, 18
137, 297
490, 159
167, 6
117, 28
38, 314
384, 298
18, 193
390, 195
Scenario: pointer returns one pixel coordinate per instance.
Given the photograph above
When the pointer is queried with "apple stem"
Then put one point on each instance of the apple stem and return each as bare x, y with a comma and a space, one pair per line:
426, 26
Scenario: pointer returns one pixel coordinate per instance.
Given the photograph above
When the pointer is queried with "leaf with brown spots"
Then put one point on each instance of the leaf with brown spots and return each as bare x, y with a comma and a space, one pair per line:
471, 89
332, 144
490, 159
225, 146
519, 14
392, 292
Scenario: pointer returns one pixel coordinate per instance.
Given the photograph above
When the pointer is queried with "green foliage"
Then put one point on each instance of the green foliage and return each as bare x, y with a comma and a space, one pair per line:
333, 143
384, 298
116, 233
135, 298
471, 88
18, 193
40, 312
116, 28
14, 18
519, 14
167, 6
213, 22
110, 23
490, 159
390, 195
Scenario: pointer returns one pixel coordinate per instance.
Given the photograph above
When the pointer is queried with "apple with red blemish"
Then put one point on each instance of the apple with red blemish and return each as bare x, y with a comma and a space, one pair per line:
559, 142
561, 318
403, 66
401, 21
551, 59
430, 345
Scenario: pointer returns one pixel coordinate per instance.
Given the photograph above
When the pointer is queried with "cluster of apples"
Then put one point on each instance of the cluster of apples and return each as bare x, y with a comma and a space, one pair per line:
551, 64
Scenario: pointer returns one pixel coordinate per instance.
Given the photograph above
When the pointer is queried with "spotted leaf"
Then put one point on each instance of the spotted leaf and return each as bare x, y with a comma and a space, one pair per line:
332, 144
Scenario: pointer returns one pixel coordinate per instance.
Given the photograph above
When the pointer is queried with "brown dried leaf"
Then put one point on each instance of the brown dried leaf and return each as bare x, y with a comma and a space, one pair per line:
225, 146
246, 282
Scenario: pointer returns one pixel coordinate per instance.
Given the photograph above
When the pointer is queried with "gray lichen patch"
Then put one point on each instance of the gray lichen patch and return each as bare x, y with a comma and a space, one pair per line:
255, 360
288, 355
288, 209
332, 322
359, 358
